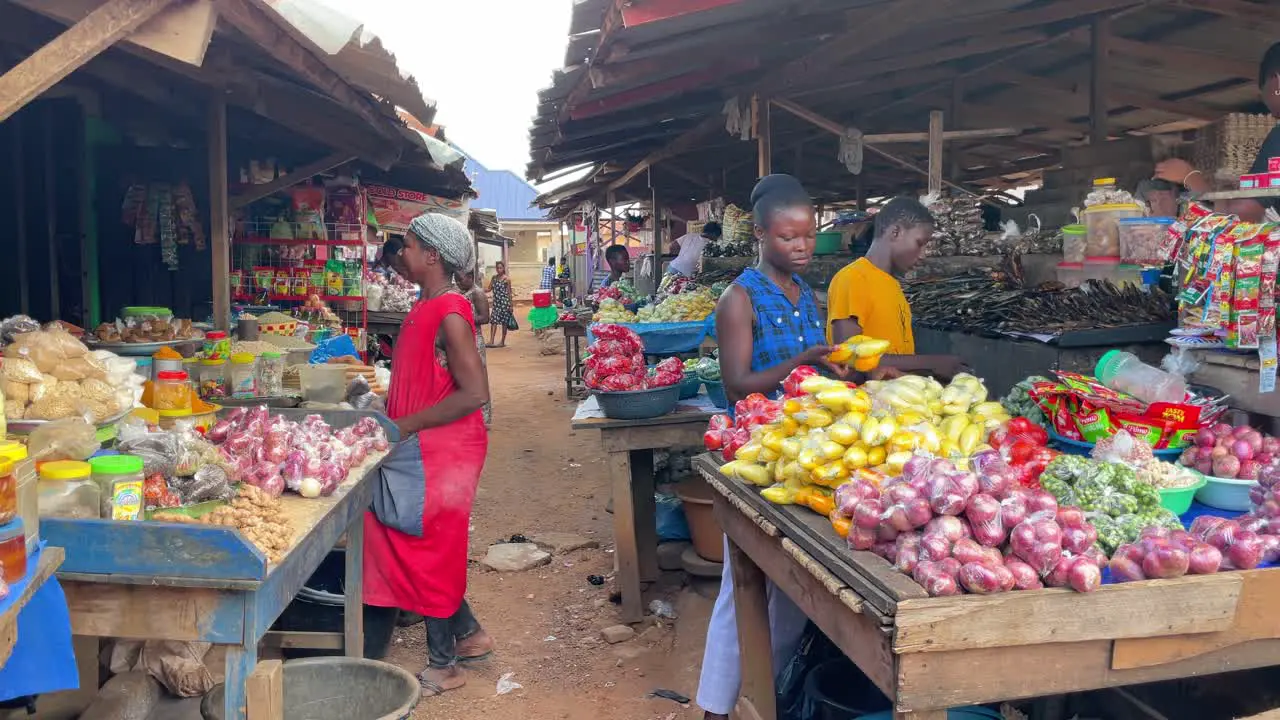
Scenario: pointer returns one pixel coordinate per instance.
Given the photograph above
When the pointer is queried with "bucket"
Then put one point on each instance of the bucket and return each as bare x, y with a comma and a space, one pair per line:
319, 607
708, 539
837, 690
541, 298
337, 688
828, 243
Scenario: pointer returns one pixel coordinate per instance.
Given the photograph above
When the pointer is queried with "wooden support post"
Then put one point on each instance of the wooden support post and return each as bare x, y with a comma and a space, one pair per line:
935, 151
752, 601
20, 216
1099, 79
957, 101
219, 214
264, 691
301, 174
764, 139
83, 41
860, 191
657, 235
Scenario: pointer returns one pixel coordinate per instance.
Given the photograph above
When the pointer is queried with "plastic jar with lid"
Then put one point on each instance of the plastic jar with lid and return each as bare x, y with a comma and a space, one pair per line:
213, 379
243, 376
120, 480
1142, 239
8, 490
1105, 192
1070, 274
1102, 223
13, 551
1073, 242
217, 344
271, 374
67, 490
172, 391
1125, 372
24, 476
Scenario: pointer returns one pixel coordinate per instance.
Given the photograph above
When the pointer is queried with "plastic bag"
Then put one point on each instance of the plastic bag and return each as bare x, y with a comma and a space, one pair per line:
1122, 448
332, 348
67, 439
159, 451
360, 395
1180, 362
17, 325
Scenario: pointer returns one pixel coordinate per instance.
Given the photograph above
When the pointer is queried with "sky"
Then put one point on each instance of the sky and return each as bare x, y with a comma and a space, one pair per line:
481, 61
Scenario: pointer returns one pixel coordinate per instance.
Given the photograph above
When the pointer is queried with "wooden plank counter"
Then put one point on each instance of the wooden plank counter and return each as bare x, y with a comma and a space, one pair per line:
47, 562
929, 654
628, 447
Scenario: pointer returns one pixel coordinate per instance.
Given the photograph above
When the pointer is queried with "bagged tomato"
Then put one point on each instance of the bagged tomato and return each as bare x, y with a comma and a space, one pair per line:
663, 378
735, 439
622, 383
610, 347
609, 331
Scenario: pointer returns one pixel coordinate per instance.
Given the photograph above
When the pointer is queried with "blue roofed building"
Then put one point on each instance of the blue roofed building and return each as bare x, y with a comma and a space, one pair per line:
536, 236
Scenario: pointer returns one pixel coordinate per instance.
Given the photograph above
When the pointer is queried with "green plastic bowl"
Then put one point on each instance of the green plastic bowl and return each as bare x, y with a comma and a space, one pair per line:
1178, 500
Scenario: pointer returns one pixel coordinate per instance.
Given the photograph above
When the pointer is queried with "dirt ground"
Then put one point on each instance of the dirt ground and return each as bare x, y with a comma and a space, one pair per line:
542, 476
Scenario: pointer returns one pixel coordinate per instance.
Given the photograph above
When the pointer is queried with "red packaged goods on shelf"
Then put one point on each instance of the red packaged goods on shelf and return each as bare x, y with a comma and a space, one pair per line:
1253, 181
1273, 165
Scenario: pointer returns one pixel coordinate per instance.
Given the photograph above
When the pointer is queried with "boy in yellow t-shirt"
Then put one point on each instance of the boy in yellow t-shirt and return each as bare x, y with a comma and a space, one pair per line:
865, 297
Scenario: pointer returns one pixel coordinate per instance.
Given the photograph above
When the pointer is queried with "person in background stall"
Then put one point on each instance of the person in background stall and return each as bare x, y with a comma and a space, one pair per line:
865, 297
480, 306
548, 275
437, 391
618, 261
1160, 197
1180, 172
767, 324
504, 316
688, 250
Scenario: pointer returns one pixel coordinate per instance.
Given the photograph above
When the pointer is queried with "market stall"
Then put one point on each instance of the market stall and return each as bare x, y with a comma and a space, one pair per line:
205, 576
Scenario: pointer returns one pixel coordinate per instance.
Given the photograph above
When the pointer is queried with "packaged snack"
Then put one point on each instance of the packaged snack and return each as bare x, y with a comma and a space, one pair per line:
263, 278
301, 285
236, 278
280, 284
351, 279
333, 280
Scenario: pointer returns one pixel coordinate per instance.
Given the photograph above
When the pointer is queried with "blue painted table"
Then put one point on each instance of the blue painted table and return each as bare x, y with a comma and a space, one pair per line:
168, 581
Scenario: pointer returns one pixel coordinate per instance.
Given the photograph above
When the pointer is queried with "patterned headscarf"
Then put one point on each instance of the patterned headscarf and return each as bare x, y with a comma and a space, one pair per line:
447, 236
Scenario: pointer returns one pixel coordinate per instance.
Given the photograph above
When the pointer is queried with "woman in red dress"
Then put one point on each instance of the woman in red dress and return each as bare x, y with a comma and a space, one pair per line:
437, 389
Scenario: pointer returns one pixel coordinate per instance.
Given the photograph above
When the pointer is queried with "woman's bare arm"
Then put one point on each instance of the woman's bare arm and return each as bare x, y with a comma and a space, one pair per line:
481, 304
468, 375
734, 336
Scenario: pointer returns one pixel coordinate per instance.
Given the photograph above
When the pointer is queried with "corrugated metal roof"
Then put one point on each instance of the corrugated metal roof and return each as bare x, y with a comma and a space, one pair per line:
504, 192
357, 54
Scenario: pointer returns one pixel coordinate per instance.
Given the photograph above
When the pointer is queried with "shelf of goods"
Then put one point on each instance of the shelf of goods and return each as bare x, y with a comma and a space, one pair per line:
186, 581
285, 263
930, 653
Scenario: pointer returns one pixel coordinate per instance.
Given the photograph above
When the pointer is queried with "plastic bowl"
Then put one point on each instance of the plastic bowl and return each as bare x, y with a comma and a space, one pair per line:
1084, 449
689, 387
715, 391
1178, 500
1226, 494
638, 404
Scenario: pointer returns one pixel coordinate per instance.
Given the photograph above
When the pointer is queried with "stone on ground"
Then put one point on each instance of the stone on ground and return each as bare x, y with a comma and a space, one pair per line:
617, 634
127, 696
669, 555
514, 557
559, 543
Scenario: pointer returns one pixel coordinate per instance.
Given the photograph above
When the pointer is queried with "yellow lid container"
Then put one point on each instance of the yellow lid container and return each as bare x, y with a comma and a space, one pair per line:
13, 450
65, 470
242, 359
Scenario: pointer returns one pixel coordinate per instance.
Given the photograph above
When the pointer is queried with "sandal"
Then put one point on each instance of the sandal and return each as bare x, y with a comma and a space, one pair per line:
475, 652
431, 688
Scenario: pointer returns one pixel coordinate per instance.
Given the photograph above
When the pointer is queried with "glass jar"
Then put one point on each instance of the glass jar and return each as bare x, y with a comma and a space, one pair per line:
244, 379
24, 476
271, 374
67, 490
1073, 243
8, 491
213, 379
13, 551
172, 391
119, 479
217, 344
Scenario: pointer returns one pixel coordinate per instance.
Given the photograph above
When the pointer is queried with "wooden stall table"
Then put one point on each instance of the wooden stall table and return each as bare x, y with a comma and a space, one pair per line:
202, 583
929, 654
628, 447
575, 334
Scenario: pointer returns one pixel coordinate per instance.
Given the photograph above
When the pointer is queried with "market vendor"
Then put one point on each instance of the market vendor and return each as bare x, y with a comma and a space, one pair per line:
618, 260
866, 298
1181, 172
767, 324
688, 250
437, 391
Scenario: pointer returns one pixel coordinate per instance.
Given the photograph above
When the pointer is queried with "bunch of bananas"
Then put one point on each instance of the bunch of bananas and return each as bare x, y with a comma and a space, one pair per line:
834, 432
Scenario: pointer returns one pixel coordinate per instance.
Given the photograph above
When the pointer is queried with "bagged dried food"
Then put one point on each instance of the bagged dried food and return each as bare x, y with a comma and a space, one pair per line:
159, 451
15, 393
79, 369
63, 342
14, 412
19, 369
67, 439
209, 483
69, 389
17, 325
51, 408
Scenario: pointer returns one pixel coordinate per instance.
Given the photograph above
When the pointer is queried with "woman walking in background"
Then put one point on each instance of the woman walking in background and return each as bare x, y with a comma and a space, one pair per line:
480, 305
415, 546
503, 316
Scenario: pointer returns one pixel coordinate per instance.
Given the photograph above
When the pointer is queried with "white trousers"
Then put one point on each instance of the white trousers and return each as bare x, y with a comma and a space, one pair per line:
721, 679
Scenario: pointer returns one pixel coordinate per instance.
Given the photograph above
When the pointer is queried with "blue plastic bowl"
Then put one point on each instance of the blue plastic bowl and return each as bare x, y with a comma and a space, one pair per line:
1078, 447
715, 391
1226, 493
689, 387
964, 713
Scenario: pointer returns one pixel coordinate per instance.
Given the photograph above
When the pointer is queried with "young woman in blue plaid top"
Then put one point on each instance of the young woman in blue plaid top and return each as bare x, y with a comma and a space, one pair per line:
767, 324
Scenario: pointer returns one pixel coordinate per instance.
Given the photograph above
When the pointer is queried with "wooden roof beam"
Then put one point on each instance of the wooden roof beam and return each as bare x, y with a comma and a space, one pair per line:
1251, 12
677, 146
643, 12
1122, 96
83, 41
1183, 58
